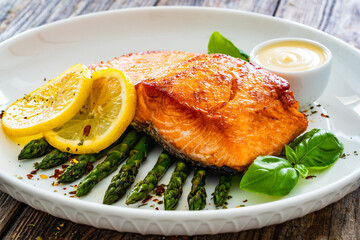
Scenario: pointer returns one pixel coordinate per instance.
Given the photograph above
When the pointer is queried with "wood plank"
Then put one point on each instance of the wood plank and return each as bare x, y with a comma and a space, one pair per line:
338, 18
265, 7
9, 211
20, 15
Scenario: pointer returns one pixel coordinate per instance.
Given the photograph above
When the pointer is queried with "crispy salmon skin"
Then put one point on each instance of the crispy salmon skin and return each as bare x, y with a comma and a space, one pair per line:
212, 109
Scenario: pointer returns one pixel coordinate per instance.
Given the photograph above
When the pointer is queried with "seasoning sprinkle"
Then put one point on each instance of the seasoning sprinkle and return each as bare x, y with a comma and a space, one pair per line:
324, 115
87, 129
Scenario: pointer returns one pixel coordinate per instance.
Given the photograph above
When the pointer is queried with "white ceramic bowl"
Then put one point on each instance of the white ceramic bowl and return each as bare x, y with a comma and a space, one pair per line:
307, 85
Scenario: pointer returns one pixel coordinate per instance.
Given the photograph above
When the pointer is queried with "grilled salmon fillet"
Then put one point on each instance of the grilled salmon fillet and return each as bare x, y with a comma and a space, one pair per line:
212, 109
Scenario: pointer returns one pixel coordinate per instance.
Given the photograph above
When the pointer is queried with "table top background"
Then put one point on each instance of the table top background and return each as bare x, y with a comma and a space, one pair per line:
340, 220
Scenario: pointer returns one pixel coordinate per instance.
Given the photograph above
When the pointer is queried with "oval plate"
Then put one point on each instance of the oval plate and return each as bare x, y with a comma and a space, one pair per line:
46, 51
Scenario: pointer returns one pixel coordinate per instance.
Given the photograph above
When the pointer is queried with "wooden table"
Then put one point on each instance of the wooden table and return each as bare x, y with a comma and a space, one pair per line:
341, 19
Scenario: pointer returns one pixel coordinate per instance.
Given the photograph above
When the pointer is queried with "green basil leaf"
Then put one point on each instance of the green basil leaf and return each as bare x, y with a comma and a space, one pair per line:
219, 44
270, 175
290, 154
304, 172
296, 142
318, 149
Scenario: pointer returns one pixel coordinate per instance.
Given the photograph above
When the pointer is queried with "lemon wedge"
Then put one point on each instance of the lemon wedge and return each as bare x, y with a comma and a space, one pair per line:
51, 105
106, 114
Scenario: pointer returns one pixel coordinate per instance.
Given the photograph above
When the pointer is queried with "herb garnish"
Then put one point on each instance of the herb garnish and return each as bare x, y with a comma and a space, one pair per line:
277, 176
219, 44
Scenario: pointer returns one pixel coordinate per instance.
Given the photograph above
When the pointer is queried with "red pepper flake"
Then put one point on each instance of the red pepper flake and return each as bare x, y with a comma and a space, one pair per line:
245, 200
89, 167
64, 166
155, 200
156, 208
64, 188
310, 177
34, 171
29, 176
57, 173
72, 192
147, 199
159, 190
324, 115
72, 196
87, 129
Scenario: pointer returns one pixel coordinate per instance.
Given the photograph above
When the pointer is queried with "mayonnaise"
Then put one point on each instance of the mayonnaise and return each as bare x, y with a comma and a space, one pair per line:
291, 56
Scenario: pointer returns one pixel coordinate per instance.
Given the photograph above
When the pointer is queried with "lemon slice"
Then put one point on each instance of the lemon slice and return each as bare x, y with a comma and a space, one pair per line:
52, 104
106, 114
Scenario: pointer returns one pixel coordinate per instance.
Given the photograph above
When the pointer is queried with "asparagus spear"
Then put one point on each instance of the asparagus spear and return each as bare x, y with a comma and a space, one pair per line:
127, 174
53, 159
35, 148
142, 188
77, 170
174, 189
112, 161
197, 195
222, 190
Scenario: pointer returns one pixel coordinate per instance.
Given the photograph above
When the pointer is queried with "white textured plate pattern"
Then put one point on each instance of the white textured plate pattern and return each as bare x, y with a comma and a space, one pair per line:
46, 51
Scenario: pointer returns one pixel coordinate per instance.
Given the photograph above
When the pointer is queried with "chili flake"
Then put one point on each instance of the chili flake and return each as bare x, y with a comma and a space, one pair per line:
159, 190
29, 176
57, 173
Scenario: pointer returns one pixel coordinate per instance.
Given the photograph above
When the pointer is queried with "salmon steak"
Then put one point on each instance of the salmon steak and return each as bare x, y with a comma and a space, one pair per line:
211, 109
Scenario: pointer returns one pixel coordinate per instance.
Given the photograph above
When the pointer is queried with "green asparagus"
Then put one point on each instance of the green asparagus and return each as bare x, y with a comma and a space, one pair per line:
77, 170
53, 159
144, 187
110, 164
35, 148
127, 174
222, 190
197, 195
174, 189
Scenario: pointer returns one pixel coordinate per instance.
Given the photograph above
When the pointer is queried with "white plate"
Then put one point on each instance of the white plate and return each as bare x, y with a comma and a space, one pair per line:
46, 51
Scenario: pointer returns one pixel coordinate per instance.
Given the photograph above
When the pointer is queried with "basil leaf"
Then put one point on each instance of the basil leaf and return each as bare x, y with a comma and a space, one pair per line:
219, 44
318, 149
270, 175
304, 172
290, 154
296, 142
307, 135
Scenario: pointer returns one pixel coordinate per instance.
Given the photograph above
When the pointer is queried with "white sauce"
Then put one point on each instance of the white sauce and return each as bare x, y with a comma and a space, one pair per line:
291, 56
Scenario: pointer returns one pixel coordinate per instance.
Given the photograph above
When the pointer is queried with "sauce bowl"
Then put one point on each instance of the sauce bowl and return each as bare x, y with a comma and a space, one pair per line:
307, 84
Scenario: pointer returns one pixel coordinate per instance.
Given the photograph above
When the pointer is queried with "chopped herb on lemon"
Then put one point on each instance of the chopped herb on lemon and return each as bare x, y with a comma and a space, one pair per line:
49, 106
107, 112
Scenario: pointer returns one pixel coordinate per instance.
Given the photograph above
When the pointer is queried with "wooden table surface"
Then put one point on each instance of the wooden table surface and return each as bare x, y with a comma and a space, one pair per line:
341, 19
